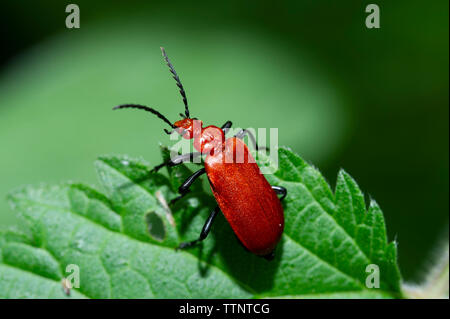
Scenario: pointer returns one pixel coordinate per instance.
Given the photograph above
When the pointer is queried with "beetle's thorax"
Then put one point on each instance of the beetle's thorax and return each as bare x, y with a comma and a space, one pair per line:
207, 140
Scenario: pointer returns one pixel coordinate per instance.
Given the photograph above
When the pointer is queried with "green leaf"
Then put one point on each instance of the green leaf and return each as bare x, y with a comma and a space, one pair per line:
123, 240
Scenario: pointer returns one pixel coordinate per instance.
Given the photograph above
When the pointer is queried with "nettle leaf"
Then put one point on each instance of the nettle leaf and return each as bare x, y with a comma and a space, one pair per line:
122, 240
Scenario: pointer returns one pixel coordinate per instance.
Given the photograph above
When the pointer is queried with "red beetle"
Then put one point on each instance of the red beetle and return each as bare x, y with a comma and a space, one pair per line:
248, 201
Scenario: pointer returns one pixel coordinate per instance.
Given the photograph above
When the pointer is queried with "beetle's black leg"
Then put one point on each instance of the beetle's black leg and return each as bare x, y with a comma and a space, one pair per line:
244, 132
269, 256
280, 190
176, 199
226, 126
184, 188
177, 160
205, 230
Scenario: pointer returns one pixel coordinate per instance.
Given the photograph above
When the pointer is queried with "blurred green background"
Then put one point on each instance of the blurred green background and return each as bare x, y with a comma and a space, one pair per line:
373, 101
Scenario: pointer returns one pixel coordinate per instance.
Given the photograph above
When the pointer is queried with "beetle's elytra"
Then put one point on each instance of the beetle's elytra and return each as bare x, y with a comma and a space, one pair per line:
248, 202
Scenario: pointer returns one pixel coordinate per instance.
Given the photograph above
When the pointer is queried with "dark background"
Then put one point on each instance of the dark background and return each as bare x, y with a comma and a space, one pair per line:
372, 101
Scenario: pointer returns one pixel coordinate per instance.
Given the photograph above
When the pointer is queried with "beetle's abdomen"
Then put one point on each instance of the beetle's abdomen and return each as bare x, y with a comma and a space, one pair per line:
245, 197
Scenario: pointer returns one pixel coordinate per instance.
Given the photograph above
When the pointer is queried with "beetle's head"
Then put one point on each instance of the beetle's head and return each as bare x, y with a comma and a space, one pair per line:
188, 127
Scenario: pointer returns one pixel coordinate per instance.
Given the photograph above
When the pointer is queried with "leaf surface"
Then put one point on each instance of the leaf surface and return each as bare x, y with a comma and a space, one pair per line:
123, 239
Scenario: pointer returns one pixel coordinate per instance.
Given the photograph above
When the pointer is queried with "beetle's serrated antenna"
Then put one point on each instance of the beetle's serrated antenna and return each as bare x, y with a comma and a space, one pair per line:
177, 79
145, 108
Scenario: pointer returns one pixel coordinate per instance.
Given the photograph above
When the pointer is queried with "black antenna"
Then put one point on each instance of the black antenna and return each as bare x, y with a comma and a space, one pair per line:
177, 78
145, 108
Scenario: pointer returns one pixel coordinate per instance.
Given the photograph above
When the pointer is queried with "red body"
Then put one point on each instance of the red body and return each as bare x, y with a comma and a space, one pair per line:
245, 198
243, 194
